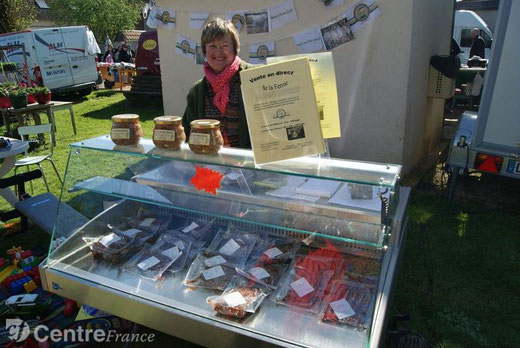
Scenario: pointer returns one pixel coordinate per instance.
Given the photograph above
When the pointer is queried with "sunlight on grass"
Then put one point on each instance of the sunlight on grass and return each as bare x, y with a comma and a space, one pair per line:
462, 219
420, 215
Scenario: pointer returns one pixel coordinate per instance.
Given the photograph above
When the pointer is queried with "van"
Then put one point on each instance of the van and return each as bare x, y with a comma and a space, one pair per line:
61, 59
465, 21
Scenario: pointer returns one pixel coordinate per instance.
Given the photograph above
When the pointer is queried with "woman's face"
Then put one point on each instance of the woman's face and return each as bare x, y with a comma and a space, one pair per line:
220, 53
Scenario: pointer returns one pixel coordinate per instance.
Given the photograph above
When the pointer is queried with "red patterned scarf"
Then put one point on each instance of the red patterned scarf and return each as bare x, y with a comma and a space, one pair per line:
220, 83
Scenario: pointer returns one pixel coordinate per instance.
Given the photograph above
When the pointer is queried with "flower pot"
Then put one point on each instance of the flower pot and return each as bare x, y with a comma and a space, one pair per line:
31, 99
5, 102
43, 98
18, 101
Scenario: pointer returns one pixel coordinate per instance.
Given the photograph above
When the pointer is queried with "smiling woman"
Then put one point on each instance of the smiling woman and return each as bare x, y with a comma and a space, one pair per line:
217, 95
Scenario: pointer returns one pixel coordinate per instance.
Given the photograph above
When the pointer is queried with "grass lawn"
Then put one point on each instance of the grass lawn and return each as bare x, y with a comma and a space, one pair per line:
459, 278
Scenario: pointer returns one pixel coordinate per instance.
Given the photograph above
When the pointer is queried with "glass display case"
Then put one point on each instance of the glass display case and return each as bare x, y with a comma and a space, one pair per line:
219, 251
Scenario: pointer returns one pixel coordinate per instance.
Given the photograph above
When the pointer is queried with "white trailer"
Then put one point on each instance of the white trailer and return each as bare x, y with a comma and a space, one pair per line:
60, 58
490, 140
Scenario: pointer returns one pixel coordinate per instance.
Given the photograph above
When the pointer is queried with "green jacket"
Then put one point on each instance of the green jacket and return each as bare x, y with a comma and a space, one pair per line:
196, 105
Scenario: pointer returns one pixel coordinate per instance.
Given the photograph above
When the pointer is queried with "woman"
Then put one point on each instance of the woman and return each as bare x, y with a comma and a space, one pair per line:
217, 95
108, 57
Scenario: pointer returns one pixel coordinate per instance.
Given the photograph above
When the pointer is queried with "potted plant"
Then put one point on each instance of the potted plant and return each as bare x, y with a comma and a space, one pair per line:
42, 94
4, 98
8, 67
31, 97
18, 98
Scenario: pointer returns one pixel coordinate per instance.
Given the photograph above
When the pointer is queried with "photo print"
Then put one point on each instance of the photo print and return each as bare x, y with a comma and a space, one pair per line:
336, 34
257, 22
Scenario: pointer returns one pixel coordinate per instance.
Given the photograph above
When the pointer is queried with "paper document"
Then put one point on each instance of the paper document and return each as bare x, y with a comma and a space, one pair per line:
320, 188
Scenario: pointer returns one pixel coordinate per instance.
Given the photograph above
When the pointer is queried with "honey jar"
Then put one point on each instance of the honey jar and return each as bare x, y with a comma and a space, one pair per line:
126, 129
205, 137
168, 132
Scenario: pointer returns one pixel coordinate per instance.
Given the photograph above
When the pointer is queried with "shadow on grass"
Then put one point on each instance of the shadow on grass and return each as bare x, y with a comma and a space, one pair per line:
146, 112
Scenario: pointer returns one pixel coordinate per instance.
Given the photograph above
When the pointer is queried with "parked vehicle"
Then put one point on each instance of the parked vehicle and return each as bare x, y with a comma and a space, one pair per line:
490, 140
465, 21
60, 59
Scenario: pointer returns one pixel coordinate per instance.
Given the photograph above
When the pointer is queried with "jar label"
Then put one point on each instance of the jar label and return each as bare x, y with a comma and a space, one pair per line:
120, 133
164, 135
199, 139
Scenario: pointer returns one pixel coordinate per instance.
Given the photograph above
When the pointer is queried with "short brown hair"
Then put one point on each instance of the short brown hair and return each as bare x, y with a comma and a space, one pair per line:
216, 29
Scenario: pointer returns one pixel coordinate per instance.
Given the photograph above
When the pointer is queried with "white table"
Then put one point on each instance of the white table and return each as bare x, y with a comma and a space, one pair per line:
9, 157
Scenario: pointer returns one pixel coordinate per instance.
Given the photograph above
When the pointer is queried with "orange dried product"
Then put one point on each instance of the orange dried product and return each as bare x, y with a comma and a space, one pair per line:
126, 129
205, 137
168, 132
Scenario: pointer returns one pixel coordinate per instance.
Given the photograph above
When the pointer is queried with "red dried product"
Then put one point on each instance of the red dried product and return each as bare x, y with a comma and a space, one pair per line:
220, 305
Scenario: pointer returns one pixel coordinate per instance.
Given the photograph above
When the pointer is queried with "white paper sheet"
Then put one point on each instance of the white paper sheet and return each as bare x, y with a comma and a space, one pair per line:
109, 239
302, 287
259, 273
309, 41
149, 262
185, 47
342, 309
283, 14
230, 247
362, 13
213, 272
234, 299
214, 261
317, 187
197, 19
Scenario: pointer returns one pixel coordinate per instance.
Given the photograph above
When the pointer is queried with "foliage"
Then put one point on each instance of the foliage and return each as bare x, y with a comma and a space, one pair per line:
3, 92
102, 17
40, 90
16, 15
8, 66
19, 92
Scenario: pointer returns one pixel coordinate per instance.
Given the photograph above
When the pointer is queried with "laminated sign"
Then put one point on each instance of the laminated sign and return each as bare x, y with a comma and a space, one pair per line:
281, 110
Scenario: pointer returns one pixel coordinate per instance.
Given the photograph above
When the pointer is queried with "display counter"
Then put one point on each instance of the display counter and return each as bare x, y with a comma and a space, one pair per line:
219, 251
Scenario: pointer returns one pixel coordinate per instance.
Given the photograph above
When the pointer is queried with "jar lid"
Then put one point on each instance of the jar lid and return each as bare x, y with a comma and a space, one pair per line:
125, 118
167, 119
205, 124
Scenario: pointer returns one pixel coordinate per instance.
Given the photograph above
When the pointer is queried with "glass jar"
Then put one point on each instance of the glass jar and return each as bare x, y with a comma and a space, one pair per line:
126, 129
168, 132
205, 137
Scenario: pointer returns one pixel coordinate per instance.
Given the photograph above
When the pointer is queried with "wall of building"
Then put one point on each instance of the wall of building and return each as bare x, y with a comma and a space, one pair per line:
382, 75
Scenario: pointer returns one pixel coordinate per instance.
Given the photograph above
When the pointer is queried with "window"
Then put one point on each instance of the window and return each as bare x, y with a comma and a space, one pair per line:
465, 38
487, 39
41, 3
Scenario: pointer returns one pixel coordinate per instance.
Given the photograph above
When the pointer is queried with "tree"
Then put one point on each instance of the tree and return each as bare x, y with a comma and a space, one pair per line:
16, 15
103, 17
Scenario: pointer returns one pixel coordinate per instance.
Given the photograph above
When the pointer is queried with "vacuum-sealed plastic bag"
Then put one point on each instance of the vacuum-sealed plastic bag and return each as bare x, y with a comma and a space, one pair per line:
153, 260
268, 274
232, 246
113, 247
214, 276
241, 296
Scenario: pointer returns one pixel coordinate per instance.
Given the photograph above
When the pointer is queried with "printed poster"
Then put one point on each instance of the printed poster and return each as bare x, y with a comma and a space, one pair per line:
258, 53
197, 19
185, 47
362, 13
161, 17
283, 14
309, 41
281, 111
324, 81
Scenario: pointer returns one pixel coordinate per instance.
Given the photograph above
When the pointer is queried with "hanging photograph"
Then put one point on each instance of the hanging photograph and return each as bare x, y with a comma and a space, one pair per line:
257, 22
362, 13
237, 18
336, 34
258, 53
332, 3
199, 56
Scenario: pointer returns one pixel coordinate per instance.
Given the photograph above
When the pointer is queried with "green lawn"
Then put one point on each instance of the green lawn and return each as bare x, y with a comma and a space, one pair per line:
459, 277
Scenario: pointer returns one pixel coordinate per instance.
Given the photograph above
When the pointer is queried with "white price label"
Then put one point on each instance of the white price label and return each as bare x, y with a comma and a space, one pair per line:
120, 133
302, 287
342, 309
163, 135
215, 261
200, 139
149, 262
131, 232
109, 239
180, 244
191, 227
259, 273
147, 222
273, 252
234, 299
213, 272
230, 247
172, 253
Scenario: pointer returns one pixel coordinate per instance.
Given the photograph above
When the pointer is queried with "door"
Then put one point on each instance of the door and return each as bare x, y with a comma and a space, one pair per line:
82, 64
52, 58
